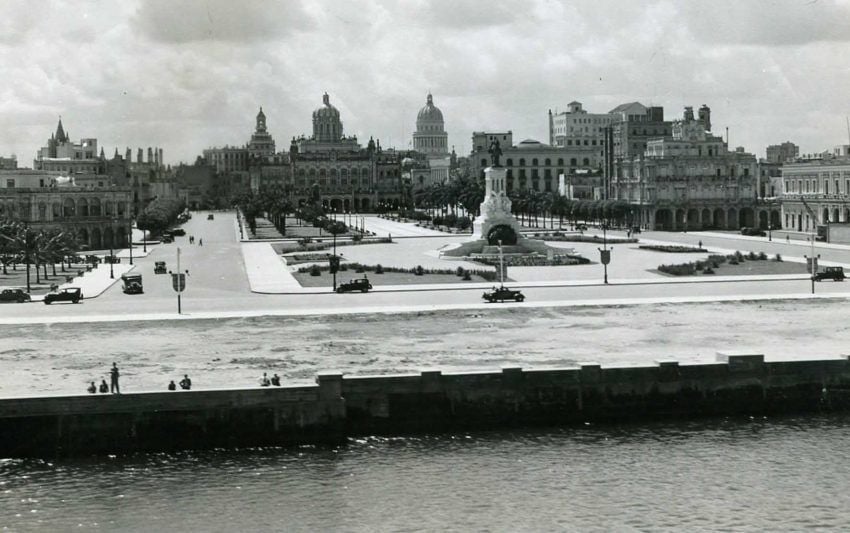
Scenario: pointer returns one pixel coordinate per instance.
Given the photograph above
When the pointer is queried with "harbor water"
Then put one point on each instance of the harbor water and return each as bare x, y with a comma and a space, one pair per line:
786, 474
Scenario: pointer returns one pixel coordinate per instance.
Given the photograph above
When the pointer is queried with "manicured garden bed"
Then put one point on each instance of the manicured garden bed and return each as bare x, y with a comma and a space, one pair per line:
736, 264
379, 275
673, 249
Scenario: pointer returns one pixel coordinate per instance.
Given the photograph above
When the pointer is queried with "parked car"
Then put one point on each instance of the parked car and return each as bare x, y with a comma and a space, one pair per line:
833, 273
14, 295
159, 267
753, 232
581, 227
360, 284
177, 232
166, 238
114, 259
72, 294
210, 216
132, 284
502, 293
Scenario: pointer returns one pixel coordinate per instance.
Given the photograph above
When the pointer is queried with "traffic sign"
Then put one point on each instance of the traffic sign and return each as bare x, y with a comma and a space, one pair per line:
178, 281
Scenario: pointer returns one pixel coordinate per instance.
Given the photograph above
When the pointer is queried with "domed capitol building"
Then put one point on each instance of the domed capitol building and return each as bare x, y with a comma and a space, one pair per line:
431, 141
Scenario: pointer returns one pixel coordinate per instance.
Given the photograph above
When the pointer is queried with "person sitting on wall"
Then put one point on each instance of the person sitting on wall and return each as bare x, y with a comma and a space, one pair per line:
92, 388
264, 382
185, 383
276, 380
103, 386
172, 386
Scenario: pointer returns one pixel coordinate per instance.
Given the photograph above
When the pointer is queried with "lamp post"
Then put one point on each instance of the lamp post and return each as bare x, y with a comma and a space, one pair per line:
111, 252
131, 241
605, 253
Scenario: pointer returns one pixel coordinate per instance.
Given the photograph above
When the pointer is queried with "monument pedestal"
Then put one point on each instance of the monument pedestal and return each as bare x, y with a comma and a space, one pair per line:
497, 223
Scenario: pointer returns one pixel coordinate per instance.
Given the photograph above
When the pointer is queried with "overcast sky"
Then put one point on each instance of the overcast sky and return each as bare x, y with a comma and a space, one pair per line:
186, 75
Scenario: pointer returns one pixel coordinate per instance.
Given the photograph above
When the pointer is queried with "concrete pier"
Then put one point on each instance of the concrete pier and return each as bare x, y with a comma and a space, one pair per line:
338, 407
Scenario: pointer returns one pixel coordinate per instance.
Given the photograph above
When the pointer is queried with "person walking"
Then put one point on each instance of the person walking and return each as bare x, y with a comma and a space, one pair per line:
113, 379
200, 242
700, 244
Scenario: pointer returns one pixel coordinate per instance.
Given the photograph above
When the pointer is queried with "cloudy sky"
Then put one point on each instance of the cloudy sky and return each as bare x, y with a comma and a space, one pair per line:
186, 75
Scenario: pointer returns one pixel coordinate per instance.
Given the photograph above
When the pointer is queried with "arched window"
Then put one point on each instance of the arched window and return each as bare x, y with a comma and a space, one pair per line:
548, 162
560, 161
573, 162
522, 162
534, 162
586, 162
509, 162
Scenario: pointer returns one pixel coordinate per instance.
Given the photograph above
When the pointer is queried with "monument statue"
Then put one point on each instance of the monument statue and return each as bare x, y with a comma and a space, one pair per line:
495, 152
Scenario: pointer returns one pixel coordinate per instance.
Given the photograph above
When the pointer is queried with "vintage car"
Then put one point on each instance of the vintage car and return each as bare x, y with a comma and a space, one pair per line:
132, 284
14, 295
210, 217
114, 259
502, 293
360, 284
72, 294
159, 268
177, 232
833, 273
166, 238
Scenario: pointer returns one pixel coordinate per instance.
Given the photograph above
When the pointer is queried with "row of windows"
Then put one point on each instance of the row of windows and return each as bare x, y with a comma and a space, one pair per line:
800, 186
536, 163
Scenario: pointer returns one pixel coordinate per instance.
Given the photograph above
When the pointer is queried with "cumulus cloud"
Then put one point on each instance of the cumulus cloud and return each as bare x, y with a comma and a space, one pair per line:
192, 74
219, 20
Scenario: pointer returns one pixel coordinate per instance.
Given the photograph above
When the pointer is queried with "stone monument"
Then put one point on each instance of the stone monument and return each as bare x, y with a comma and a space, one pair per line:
496, 224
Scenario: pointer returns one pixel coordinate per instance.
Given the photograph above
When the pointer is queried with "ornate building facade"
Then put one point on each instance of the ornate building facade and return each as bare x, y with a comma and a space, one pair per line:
691, 180
99, 216
432, 162
350, 178
824, 183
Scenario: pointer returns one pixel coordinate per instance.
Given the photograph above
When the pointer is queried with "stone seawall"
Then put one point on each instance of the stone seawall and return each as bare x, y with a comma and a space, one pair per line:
336, 407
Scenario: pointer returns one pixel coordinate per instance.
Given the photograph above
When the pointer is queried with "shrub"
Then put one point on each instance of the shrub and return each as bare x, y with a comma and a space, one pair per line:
708, 270
762, 256
459, 271
357, 237
752, 256
343, 267
467, 275
379, 269
315, 270
778, 258
733, 261
359, 270
419, 271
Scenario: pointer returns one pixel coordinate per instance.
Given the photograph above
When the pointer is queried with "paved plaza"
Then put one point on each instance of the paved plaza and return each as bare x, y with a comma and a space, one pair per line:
232, 278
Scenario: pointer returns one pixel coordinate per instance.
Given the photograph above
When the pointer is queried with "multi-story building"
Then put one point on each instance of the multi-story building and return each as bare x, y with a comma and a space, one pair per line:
632, 126
824, 183
261, 144
781, 153
578, 128
350, 178
691, 180
100, 217
432, 162
63, 155
8, 163
532, 165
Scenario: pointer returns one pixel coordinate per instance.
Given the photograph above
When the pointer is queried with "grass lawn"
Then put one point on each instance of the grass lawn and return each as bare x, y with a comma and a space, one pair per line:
18, 278
753, 268
387, 278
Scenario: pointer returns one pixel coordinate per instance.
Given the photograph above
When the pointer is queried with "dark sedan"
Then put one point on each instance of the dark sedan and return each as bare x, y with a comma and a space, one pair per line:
14, 295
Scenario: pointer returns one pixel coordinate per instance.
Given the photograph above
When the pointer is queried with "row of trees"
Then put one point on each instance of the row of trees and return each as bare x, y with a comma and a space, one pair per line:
270, 201
530, 207
23, 245
159, 215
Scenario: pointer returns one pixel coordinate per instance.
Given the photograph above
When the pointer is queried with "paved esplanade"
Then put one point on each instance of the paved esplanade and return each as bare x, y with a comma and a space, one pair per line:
218, 284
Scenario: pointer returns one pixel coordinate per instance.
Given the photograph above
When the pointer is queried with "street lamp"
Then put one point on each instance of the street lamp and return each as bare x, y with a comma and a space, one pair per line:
604, 252
131, 241
111, 252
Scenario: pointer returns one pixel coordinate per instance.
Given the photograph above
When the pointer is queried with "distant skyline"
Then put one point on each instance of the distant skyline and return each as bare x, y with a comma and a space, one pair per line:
188, 75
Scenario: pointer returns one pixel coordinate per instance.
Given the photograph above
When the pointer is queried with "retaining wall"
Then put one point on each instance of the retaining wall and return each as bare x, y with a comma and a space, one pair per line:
336, 407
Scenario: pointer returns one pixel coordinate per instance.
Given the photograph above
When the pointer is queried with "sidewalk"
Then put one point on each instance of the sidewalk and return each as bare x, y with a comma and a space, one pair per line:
96, 282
